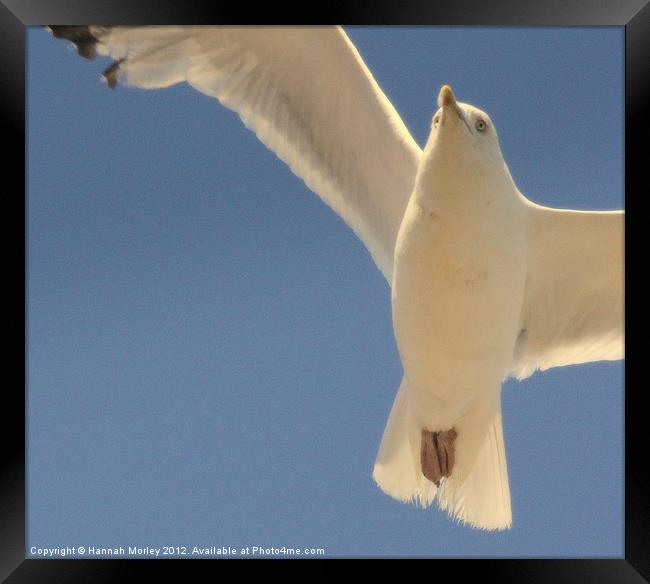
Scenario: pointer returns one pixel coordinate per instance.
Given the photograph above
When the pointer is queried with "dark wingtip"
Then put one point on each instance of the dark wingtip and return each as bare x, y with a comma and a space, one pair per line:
86, 43
83, 39
110, 74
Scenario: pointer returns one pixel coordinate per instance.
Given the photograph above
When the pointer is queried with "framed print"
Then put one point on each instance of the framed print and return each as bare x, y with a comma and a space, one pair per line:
212, 352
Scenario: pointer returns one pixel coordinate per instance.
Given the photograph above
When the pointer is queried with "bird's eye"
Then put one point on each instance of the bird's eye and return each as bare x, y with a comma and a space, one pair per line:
436, 120
481, 125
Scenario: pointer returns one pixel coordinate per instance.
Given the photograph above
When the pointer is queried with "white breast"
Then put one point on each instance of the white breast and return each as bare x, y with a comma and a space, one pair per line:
457, 294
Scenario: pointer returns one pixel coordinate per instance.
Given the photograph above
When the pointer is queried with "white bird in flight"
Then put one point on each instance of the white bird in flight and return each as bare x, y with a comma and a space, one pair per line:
485, 283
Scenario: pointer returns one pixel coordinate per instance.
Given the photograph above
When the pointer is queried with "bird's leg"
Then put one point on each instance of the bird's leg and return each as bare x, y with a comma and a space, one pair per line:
447, 450
437, 454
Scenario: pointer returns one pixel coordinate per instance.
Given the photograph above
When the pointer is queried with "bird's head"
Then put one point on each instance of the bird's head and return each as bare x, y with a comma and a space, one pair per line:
460, 125
463, 143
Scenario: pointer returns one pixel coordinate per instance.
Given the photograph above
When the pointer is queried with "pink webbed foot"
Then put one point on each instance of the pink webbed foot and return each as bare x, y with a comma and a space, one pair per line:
437, 454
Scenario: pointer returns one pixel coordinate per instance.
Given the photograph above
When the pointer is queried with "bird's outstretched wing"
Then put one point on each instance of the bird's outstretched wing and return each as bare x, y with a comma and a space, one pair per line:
573, 308
307, 95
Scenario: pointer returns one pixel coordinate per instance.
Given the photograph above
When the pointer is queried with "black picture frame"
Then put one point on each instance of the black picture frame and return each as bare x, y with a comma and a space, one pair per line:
16, 15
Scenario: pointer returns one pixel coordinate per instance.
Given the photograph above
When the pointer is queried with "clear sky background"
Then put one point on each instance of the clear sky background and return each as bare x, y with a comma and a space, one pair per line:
211, 359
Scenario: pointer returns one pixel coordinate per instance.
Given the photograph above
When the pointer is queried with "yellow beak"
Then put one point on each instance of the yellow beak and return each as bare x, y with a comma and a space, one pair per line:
446, 97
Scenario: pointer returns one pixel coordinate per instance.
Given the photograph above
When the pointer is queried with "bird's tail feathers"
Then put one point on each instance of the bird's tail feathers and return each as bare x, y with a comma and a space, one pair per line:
482, 499
477, 492
397, 468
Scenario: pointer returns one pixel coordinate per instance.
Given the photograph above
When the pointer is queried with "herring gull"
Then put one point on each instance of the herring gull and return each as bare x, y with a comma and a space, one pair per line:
485, 284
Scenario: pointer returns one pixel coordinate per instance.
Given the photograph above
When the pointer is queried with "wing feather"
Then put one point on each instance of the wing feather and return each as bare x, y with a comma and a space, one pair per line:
574, 302
307, 95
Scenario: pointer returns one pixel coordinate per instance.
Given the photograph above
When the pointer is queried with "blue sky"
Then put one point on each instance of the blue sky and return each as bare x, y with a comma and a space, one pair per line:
211, 359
